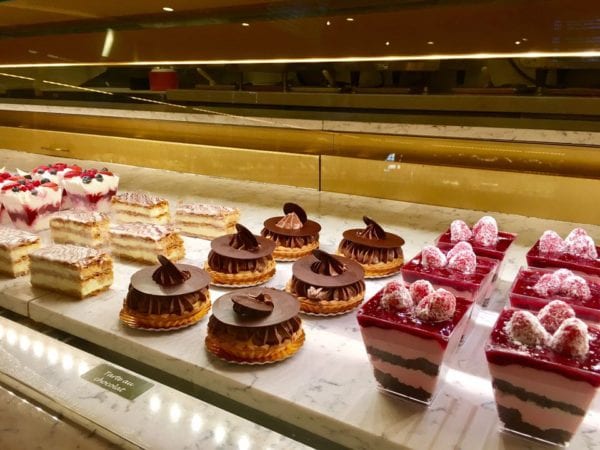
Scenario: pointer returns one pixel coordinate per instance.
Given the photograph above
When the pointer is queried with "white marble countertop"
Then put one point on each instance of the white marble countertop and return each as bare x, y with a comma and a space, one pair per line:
49, 371
328, 387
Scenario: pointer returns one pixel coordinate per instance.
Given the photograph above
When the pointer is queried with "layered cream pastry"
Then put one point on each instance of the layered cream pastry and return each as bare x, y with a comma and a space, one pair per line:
143, 207
240, 259
143, 242
206, 221
327, 284
69, 269
255, 326
294, 235
378, 252
31, 203
91, 189
88, 229
167, 296
15, 247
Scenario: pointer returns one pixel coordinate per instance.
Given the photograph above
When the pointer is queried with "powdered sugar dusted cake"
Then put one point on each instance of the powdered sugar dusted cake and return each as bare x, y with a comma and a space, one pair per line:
140, 207
91, 189
143, 242
545, 370
86, 228
206, 221
76, 271
30, 203
15, 247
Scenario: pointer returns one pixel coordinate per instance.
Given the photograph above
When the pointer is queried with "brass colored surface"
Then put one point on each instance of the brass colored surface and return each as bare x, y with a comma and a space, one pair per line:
547, 196
236, 163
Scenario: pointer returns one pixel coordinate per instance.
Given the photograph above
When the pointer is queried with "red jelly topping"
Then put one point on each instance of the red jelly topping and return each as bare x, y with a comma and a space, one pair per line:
502, 350
371, 314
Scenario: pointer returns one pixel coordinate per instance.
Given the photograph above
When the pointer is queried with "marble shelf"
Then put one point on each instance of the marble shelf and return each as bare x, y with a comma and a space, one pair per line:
328, 388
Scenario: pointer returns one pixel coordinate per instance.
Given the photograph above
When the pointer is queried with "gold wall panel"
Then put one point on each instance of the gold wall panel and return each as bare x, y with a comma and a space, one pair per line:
227, 162
538, 195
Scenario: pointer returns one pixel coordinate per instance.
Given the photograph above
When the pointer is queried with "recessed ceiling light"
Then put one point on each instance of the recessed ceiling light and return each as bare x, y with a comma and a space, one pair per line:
430, 42
350, 19
387, 42
328, 23
168, 9
245, 24
517, 42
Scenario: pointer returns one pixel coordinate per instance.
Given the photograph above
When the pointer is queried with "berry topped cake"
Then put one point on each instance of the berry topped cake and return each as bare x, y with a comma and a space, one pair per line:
377, 251
30, 203
545, 371
55, 173
408, 332
327, 284
294, 235
91, 189
577, 252
459, 270
5, 178
534, 288
484, 237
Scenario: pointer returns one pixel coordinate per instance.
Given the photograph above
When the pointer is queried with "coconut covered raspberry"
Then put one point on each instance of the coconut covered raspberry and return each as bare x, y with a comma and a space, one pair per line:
396, 296
457, 248
548, 284
437, 306
551, 242
582, 247
464, 261
432, 257
525, 328
576, 287
485, 231
459, 231
571, 339
553, 314
420, 289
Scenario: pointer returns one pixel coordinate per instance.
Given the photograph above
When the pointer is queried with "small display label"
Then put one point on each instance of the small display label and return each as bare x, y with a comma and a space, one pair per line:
118, 381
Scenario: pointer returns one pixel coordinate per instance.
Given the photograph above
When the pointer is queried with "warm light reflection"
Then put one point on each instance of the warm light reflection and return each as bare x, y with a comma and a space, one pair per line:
148, 100
328, 23
245, 24
24, 343
17, 76
387, 42
196, 423
219, 434
244, 443
350, 19
155, 403
430, 42
168, 9
11, 337
1, 331
108, 43
82, 368
52, 356
38, 349
175, 413
67, 362
79, 88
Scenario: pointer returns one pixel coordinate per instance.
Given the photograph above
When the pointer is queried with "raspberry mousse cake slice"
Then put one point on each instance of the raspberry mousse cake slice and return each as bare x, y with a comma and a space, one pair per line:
577, 252
206, 221
5, 178
408, 332
534, 288
85, 228
327, 284
91, 189
30, 203
140, 207
15, 247
484, 237
240, 259
459, 270
143, 242
56, 173
377, 251
545, 371
294, 235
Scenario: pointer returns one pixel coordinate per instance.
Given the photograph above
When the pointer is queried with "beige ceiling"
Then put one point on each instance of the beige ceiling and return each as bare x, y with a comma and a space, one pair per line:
31, 12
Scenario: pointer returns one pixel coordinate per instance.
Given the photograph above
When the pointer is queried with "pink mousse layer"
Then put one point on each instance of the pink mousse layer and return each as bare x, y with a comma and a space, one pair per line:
475, 287
522, 294
563, 261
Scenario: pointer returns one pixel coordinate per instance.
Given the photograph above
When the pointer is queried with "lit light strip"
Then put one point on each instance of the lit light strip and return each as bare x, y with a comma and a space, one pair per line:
246, 118
157, 102
584, 54
10, 75
76, 87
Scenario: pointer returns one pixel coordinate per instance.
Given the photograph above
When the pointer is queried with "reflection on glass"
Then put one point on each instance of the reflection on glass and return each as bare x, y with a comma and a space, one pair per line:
175, 413
219, 434
67, 362
24, 343
196, 423
38, 349
52, 356
82, 368
244, 443
11, 337
155, 403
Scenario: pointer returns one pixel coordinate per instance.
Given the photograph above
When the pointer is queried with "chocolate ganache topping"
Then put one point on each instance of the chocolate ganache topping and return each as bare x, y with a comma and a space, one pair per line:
327, 264
252, 305
168, 274
243, 239
296, 210
293, 230
373, 229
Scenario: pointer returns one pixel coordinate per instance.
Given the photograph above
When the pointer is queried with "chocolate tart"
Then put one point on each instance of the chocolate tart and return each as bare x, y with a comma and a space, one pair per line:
378, 252
166, 297
294, 235
255, 326
240, 259
327, 284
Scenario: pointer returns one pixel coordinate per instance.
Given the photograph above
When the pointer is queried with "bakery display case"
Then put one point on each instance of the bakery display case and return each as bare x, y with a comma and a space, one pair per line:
259, 224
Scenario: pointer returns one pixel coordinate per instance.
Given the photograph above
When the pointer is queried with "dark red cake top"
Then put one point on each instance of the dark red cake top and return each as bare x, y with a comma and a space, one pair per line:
420, 310
572, 350
4, 176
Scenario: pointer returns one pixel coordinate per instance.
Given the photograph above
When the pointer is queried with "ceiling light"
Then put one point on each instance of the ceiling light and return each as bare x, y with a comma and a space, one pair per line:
328, 23
245, 24
350, 19
517, 42
387, 42
430, 42
168, 9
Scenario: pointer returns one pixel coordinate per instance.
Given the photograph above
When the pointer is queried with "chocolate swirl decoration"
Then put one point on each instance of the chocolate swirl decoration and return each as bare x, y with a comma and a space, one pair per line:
326, 264
244, 239
168, 274
373, 230
290, 208
251, 306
